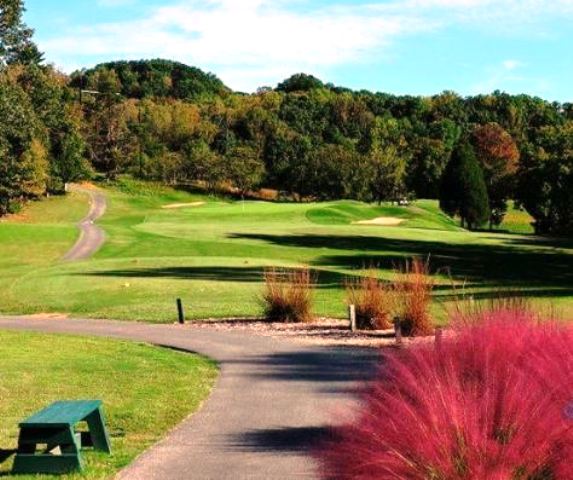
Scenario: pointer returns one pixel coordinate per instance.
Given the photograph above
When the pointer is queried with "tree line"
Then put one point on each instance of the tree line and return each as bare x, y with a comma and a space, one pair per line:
165, 121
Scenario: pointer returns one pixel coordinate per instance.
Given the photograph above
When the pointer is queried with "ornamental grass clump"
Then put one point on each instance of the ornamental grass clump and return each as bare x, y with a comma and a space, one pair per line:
374, 301
493, 400
288, 295
414, 286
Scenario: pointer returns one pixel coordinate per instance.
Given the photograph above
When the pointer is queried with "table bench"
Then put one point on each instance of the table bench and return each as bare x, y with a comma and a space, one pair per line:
54, 428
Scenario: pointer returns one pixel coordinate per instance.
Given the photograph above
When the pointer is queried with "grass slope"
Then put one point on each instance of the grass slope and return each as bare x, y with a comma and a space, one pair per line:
139, 409
212, 256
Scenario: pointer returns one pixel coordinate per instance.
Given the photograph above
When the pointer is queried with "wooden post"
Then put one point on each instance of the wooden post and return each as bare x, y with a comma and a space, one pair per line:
352, 317
180, 312
398, 331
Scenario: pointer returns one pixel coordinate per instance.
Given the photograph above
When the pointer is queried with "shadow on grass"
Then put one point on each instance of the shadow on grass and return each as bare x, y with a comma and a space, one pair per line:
5, 455
507, 265
325, 278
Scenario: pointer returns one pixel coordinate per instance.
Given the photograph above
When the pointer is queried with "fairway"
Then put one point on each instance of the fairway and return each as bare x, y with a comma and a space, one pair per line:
139, 408
211, 253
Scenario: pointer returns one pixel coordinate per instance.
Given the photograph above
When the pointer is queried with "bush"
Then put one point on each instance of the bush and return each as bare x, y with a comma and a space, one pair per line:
288, 295
493, 401
414, 286
374, 301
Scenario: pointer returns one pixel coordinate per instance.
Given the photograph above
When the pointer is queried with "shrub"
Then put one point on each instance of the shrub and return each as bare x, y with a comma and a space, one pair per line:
288, 295
374, 301
493, 401
414, 286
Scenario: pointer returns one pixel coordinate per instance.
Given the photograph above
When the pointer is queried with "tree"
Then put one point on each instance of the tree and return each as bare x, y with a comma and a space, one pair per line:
463, 191
545, 180
16, 45
498, 155
244, 169
23, 164
389, 174
299, 82
204, 165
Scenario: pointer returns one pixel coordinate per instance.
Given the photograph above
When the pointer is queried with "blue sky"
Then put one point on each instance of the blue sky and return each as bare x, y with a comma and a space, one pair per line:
398, 46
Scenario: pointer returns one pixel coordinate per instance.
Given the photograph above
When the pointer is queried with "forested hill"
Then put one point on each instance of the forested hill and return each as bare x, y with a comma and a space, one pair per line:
150, 78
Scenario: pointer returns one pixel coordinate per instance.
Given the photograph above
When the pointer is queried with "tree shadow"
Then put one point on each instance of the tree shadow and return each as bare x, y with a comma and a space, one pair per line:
325, 365
290, 440
324, 278
502, 264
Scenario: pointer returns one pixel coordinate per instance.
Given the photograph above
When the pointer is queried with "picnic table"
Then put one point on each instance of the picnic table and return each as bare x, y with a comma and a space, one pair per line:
48, 441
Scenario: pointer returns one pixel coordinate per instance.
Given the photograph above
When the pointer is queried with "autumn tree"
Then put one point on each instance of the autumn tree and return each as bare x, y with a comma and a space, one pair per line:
498, 155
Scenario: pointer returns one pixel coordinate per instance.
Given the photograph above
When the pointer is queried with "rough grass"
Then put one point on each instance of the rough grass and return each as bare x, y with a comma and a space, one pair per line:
374, 301
213, 256
288, 295
130, 378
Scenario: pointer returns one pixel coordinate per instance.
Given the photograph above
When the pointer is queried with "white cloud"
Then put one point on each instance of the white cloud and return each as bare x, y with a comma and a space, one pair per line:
253, 42
511, 64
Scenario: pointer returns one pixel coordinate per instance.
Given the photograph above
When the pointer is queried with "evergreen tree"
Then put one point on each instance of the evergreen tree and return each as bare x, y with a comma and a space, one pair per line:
463, 190
16, 45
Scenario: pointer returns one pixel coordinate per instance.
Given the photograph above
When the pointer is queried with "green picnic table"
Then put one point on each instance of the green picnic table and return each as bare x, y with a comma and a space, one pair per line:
53, 428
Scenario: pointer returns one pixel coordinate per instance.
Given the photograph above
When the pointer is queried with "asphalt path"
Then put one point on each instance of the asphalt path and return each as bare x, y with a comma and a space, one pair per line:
91, 237
273, 401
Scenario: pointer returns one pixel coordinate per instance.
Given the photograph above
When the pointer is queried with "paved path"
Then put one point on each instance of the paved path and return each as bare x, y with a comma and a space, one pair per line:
92, 237
273, 400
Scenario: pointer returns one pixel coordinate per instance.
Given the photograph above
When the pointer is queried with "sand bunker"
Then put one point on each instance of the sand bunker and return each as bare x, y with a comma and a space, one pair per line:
182, 205
382, 222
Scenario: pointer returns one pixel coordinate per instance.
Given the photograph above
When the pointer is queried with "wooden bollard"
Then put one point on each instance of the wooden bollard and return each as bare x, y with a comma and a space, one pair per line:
352, 317
398, 331
180, 312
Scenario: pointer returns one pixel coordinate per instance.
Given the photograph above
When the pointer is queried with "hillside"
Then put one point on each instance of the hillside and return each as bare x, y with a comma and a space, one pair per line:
154, 78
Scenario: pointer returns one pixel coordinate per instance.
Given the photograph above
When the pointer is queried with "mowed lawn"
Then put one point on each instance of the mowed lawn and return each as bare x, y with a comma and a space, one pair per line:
146, 390
212, 255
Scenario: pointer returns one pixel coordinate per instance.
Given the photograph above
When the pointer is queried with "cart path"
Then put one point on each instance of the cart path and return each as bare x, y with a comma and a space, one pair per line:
91, 237
274, 398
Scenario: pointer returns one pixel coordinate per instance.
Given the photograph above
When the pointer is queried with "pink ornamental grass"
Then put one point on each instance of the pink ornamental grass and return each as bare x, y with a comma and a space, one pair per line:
493, 402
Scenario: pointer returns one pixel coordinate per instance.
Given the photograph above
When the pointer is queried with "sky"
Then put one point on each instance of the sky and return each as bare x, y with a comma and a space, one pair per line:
417, 47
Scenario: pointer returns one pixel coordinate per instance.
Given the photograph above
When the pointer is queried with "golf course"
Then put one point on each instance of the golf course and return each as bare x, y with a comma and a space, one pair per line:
162, 244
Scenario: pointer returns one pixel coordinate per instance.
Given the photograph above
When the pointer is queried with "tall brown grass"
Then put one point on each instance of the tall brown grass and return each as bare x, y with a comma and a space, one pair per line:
288, 295
414, 285
374, 301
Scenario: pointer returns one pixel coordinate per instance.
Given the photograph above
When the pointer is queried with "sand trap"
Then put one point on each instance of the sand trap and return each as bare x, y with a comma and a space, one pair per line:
183, 205
382, 222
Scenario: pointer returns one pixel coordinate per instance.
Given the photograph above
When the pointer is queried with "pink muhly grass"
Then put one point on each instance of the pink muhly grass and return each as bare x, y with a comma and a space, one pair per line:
493, 401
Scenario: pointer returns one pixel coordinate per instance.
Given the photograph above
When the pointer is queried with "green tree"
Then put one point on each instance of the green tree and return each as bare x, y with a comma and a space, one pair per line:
463, 190
23, 164
16, 45
299, 82
204, 165
244, 169
388, 183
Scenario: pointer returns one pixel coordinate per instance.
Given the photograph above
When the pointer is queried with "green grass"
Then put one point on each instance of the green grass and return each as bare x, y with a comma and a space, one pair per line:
212, 256
39, 369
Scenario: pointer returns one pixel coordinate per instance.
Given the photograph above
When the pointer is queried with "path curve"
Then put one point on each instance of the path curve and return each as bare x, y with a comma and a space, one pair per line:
92, 237
274, 398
